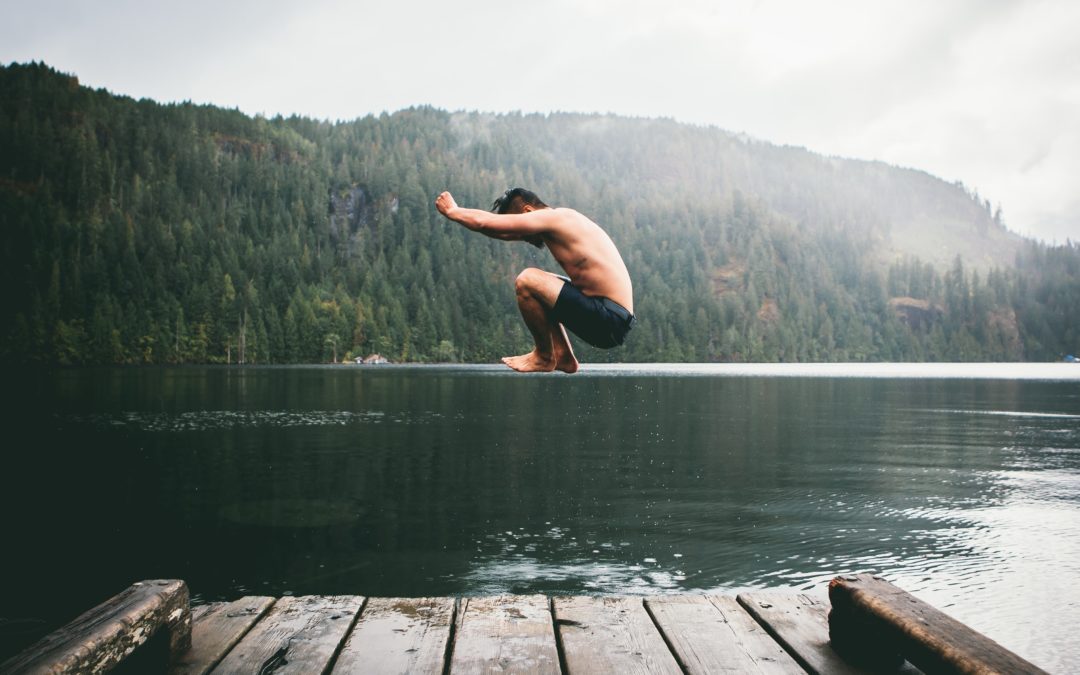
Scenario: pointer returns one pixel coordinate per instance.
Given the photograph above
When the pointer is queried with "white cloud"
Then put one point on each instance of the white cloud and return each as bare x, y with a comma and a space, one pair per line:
983, 91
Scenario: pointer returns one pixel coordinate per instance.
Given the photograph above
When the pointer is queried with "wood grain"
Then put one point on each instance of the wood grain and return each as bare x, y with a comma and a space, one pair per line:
399, 635
217, 628
713, 634
504, 634
298, 635
799, 623
612, 635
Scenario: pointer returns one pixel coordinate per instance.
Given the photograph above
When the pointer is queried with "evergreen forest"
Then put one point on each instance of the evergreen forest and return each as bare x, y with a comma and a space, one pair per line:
135, 232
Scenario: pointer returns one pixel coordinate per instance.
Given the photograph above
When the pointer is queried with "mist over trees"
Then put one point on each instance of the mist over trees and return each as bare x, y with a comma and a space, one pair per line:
135, 232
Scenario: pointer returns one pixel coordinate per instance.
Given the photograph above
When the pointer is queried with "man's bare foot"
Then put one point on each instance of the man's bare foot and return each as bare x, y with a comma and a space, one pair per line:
532, 362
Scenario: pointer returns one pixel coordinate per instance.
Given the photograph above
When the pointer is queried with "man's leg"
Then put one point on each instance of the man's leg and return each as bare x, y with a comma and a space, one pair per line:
537, 292
564, 353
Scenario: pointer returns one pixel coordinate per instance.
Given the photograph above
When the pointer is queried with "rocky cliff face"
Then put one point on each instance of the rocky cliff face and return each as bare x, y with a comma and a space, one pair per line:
349, 211
918, 314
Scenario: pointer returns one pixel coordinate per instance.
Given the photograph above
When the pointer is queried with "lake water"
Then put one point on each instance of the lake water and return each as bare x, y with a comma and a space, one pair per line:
960, 483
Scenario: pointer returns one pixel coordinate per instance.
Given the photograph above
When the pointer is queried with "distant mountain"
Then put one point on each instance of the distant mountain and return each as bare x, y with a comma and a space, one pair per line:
906, 212
135, 232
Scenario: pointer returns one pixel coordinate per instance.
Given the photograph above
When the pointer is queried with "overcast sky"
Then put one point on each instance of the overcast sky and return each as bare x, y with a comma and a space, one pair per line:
982, 91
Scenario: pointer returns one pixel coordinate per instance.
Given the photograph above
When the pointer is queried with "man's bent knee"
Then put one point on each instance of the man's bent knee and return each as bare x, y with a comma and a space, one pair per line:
529, 279
539, 285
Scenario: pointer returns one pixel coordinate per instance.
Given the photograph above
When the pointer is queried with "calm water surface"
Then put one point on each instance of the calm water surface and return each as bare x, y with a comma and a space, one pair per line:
959, 483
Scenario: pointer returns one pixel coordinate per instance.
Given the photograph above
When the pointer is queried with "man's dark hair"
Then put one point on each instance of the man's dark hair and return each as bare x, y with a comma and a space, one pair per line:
509, 198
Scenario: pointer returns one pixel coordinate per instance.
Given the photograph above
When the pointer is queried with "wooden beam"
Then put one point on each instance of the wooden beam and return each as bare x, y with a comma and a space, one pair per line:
799, 623
611, 634
216, 628
399, 635
504, 634
298, 635
101, 638
713, 634
871, 615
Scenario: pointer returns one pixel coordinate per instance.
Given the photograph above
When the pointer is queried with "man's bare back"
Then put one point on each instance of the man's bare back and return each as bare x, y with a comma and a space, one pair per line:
598, 302
589, 257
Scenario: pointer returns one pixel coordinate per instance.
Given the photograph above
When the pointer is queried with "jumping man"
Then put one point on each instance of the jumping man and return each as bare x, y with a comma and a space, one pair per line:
596, 300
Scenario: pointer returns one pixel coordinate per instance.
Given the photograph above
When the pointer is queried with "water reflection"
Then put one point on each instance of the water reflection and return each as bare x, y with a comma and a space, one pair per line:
210, 420
459, 481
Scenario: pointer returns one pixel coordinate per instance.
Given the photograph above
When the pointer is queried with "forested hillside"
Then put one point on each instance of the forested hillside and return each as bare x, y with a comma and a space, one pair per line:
135, 232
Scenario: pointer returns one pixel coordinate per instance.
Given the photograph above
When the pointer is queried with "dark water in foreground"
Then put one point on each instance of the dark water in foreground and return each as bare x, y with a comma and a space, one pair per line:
474, 480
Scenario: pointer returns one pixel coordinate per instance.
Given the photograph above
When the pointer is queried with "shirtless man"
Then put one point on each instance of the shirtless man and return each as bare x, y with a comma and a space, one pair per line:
595, 301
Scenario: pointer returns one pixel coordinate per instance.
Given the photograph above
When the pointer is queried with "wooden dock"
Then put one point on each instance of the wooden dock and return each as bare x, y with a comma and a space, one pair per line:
756, 632
523, 634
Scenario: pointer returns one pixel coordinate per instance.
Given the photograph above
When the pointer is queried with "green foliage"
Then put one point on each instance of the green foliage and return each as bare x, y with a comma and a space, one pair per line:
135, 232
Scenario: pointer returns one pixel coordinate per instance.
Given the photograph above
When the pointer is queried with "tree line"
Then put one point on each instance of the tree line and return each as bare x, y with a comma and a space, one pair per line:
136, 232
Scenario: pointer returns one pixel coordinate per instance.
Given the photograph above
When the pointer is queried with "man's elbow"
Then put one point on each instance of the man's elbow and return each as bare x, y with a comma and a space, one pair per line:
481, 225
489, 232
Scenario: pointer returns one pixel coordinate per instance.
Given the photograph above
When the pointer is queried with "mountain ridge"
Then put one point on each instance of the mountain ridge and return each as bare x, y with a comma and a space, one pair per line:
137, 232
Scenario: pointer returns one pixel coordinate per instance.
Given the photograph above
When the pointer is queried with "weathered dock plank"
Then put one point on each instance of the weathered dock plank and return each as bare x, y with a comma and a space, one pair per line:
504, 634
871, 626
102, 637
713, 634
799, 623
298, 635
611, 635
398, 635
869, 615
216, 628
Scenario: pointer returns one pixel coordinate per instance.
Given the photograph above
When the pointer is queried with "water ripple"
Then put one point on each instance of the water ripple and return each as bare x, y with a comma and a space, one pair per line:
212, 420
1004, 413
523, 561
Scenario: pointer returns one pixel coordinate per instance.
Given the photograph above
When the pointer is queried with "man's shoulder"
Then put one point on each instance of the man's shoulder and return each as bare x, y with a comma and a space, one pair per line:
568, 215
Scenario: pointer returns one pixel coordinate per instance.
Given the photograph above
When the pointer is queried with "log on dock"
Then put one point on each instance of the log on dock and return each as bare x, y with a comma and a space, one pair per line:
156, 612
875, 623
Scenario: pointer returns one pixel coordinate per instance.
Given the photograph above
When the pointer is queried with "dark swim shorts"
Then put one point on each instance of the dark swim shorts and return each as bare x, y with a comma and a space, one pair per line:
599, 321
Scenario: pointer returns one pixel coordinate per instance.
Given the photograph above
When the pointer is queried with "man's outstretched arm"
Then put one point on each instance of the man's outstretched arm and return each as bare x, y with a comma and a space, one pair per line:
507, 226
